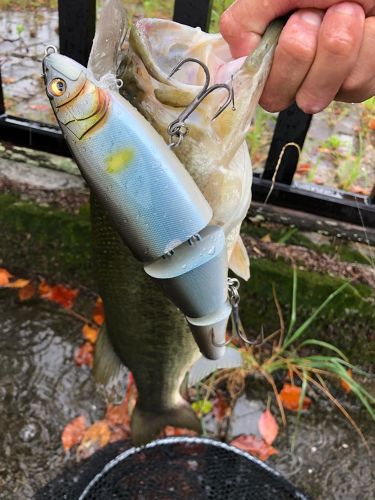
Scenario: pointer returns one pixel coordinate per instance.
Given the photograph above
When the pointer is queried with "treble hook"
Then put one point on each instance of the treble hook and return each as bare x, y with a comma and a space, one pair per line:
234, 299
177, 128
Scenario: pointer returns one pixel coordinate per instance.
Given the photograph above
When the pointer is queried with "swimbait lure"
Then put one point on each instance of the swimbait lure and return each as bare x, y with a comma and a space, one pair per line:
147, 194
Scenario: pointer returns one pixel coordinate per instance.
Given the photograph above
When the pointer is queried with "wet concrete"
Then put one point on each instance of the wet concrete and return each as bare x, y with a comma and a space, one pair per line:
329, 460
24, 35
41, 390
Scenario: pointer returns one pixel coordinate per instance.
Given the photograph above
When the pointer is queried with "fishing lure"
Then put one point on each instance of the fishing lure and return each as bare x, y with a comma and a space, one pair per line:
150, 198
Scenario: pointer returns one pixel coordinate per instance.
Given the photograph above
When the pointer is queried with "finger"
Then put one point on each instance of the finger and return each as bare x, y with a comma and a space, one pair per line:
360, 84
293, 58
339, 42
243, 23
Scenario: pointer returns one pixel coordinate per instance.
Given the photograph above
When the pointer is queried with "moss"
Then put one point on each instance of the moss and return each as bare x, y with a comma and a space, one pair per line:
348, 322
41, 240
340, 249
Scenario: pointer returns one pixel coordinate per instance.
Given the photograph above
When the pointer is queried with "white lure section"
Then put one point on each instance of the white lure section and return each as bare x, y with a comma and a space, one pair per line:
194, 277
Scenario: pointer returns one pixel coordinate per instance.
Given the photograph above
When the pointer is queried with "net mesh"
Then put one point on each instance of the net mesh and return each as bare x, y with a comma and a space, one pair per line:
176, 468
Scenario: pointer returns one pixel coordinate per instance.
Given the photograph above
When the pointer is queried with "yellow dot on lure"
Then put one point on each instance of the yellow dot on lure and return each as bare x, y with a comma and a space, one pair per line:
120, 160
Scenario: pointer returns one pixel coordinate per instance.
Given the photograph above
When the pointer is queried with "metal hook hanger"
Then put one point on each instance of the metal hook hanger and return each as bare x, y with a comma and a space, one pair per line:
234, 299
177, 129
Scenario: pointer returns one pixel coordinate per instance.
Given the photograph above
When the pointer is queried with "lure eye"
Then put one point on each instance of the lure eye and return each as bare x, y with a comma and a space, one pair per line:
57, 87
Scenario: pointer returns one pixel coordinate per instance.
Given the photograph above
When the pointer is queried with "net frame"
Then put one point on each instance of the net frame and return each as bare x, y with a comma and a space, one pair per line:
184, 440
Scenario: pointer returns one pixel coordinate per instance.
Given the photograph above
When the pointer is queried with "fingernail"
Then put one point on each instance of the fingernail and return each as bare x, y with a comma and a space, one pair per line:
312, 108
311, 17
348, 8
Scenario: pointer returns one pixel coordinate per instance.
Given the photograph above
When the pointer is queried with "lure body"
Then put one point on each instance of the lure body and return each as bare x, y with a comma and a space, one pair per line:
151, 199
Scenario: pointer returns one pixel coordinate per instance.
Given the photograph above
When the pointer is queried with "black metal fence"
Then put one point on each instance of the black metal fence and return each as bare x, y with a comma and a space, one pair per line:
76, 32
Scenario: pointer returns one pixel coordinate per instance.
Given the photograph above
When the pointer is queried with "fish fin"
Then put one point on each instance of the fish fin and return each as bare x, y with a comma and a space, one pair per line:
239, 261
204, 367
110, 33
107, 364
146, 426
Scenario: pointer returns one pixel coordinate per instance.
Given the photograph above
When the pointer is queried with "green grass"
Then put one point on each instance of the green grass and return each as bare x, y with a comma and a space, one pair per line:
370, 104
258, 137
296, 351
158, 8
27, 4
218, 7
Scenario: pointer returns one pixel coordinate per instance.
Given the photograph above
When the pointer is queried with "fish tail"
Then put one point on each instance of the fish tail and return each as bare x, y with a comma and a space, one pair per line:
146, 426
107, 364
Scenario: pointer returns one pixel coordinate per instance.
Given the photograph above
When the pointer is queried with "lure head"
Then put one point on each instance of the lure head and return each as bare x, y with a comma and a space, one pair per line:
63, 77
79, 104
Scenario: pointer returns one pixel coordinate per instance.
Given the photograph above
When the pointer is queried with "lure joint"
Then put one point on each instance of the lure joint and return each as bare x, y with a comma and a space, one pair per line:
50, 49
168, 254
194, 238
178, 129
234, 300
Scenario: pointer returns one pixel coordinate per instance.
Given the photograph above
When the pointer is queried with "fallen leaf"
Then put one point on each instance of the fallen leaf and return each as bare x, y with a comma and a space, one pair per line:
73, 432
90, 333
266, 238
9, 79
360, 190
268, 427
371, 124
119, 414
178, 431
40, 107
60, 294
344, 384
221, 407
84, 355
4, 277
318, 181
303, 168
20, 283
95, 437
119, 433
98, 314
255, 446
27, 292
290, 397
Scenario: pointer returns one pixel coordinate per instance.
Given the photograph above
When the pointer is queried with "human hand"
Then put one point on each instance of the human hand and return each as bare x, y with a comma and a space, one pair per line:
326, 50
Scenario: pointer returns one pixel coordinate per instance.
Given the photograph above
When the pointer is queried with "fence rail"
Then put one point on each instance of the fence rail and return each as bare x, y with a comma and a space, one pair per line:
76, 32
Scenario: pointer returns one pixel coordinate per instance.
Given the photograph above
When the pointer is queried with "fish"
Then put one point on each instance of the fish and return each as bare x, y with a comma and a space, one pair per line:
143, 329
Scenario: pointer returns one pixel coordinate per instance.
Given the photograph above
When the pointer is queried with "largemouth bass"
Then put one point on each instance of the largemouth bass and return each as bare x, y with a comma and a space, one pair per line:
144, 330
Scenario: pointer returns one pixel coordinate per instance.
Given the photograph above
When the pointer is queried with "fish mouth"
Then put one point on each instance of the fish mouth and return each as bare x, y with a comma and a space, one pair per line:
162, 44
